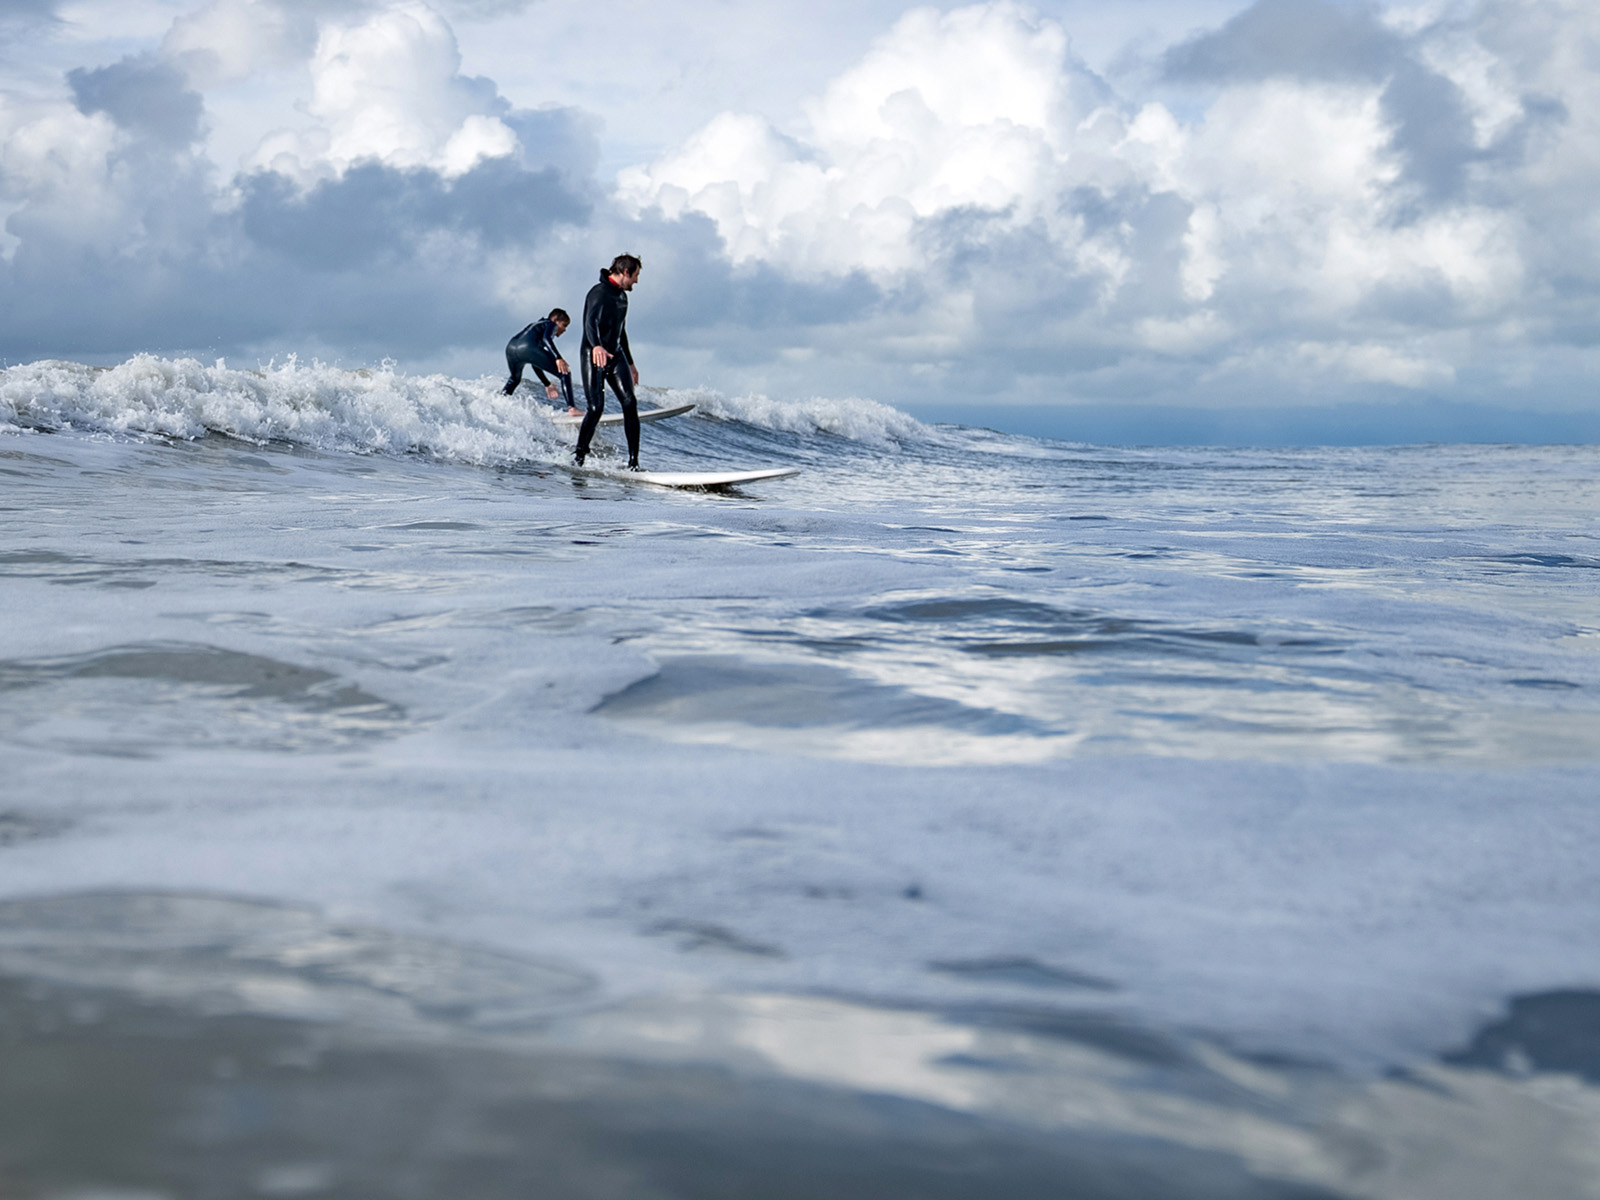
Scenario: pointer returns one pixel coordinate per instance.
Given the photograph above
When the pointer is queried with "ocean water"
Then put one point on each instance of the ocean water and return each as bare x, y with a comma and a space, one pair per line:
969, 815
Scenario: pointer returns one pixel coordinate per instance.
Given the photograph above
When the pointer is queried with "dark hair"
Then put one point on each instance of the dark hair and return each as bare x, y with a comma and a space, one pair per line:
559, 314
625, 264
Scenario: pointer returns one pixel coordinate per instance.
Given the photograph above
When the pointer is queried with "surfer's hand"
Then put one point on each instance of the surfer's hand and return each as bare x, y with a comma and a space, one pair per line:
551, 391
562, 368
635, 371
600, 355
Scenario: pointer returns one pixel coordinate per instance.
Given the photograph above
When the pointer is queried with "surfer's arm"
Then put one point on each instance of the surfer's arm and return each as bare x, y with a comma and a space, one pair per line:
603, 353
550, 348
627, 355
591, 327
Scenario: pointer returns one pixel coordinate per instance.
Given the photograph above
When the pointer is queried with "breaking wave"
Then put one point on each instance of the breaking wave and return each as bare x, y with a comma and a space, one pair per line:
856, 419
329, 408
368, 411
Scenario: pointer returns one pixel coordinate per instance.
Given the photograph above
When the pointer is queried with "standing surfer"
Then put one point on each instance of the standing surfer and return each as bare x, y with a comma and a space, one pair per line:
535, 347
606, 356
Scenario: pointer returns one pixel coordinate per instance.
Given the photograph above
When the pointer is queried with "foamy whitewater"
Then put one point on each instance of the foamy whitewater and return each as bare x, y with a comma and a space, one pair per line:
1279, 757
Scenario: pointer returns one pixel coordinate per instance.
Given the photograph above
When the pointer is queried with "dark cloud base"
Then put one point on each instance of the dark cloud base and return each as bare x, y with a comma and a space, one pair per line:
143, 95
375, 216
385, 262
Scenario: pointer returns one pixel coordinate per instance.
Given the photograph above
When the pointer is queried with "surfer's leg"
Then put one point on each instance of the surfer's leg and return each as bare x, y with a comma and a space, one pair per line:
566, 386
622, 383
514, 363
594, 392
544, 366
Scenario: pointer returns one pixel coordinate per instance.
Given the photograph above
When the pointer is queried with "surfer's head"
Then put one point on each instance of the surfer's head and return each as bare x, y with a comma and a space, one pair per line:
559, 316
624, 271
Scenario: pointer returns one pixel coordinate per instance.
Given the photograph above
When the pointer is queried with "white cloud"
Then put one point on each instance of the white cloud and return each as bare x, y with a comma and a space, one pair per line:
231, 40
55, 168
389, 89
112, 203
979, 108
1293, 186
1306, 224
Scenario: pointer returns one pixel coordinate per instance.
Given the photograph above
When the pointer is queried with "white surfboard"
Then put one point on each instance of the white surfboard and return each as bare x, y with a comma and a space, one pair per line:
690, 479
646, 415
709, 479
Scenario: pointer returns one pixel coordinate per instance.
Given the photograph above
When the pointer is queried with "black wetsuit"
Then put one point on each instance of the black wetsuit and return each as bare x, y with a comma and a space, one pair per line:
535, 347
605, 324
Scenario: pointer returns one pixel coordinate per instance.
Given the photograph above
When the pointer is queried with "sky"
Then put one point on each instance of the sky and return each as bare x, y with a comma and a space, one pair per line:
1159, 220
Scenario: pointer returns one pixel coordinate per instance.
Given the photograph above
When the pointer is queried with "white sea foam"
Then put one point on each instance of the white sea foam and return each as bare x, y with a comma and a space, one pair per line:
329, 408
378, 410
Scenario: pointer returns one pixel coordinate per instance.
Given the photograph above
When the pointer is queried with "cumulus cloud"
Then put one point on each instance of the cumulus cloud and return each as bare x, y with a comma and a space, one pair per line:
389, 89
56, 175
231, 40
410, 217
965, 110
1359, 197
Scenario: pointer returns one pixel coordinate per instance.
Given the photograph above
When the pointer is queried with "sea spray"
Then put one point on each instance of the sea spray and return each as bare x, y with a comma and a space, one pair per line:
323, 407
856, 419
372, 410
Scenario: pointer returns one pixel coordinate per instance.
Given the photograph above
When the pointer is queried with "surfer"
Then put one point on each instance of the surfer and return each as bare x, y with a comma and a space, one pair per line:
535, 347
606, 357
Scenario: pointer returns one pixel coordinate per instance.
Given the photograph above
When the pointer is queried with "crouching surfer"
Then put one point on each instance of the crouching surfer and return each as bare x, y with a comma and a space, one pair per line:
606, 357
535, 347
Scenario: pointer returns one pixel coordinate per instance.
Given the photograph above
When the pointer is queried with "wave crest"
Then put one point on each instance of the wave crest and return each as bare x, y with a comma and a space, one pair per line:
369, 411
329, 408
856, 419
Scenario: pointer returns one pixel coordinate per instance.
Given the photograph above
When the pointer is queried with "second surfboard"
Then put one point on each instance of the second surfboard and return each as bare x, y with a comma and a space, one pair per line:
646, 415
